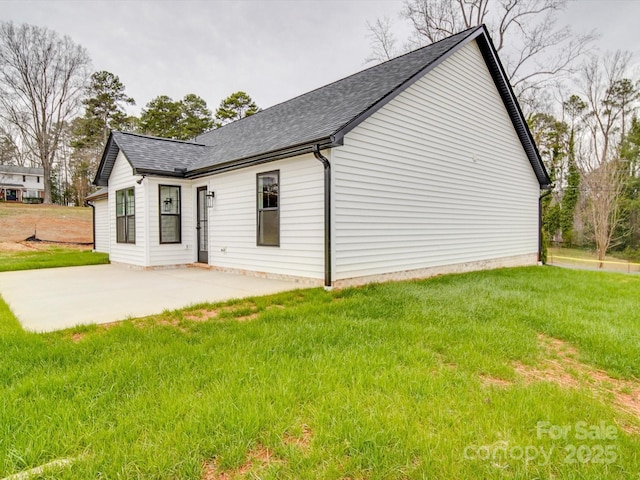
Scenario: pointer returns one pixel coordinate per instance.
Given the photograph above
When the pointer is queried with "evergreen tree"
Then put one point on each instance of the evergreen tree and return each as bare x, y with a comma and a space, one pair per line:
182, 120
236, 106
196, 117
570, 195
104, 111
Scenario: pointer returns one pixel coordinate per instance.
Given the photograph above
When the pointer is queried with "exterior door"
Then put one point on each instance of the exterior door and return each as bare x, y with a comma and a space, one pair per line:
202, 228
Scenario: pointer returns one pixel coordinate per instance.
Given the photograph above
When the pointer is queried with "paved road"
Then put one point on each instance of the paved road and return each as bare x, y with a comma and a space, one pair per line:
56, 298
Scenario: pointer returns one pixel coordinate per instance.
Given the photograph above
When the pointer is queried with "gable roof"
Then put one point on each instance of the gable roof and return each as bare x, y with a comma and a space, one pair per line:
321, 117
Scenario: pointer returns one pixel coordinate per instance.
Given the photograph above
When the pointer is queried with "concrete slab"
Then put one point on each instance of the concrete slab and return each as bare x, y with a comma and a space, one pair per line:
57, 298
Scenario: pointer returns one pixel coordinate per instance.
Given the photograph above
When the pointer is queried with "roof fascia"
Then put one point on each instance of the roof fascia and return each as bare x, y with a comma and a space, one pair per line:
338, 136
499, 75
272, 156
111, 142
98, 180
158, 173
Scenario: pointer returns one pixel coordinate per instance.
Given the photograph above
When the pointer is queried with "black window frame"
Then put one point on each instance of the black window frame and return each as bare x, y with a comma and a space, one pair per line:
162, 214
266, 209
129, 236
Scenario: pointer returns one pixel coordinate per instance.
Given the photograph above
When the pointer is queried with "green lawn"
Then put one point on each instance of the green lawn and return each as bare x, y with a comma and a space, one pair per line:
401, 380
50, 257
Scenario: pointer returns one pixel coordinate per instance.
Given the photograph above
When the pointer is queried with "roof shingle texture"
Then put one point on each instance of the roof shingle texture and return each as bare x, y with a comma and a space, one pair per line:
320, 113
153, 153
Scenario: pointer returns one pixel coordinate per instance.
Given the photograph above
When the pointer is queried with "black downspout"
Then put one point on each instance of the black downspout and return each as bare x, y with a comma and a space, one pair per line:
93, 209
545, 194
327, 215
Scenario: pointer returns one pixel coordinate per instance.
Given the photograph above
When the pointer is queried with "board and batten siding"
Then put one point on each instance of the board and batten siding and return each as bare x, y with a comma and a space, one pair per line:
436, 177
170, 253
232, 220
101, 227
122, 177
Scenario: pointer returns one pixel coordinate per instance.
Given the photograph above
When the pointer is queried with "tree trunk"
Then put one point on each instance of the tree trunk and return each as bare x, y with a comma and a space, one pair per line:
47, 182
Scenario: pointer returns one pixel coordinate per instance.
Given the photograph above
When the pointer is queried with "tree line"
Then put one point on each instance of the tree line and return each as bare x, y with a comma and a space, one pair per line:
581, 107
56, 114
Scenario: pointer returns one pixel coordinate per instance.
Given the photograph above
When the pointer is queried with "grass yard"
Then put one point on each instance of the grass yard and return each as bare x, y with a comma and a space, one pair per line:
516, 373
48, 257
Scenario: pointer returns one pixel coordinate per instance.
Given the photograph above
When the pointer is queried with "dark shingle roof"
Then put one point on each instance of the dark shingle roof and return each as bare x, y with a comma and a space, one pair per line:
321, 116
148, 155
320, 113
161, 154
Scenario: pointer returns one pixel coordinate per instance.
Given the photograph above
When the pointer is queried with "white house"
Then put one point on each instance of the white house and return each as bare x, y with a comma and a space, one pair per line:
21, 184
420, 165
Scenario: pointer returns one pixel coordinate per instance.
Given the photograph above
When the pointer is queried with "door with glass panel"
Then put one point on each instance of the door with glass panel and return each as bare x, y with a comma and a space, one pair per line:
202, 228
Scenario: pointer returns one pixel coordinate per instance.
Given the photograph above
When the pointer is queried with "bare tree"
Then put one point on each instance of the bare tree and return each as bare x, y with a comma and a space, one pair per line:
42, 78
383, 42
604, 172
13, 150
533, 47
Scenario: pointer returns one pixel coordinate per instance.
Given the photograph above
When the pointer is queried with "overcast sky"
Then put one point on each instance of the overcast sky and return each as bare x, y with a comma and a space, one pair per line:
272, 49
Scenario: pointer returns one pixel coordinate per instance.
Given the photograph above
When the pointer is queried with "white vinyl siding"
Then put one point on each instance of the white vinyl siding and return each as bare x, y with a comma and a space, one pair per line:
101, 208
233, 220
436, 177
171, 253
122, 177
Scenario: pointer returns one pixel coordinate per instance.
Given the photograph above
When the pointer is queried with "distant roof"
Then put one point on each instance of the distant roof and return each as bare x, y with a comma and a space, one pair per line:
321, 117
100, 193
21, 170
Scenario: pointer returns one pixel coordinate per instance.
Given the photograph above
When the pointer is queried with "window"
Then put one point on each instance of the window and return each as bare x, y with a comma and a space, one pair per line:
268, 209
126, 216
170, 221
38, 179
24, 178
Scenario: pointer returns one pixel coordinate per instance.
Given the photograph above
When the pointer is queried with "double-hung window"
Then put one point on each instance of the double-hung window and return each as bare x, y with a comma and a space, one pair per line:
126, 215
269, 209
170, 214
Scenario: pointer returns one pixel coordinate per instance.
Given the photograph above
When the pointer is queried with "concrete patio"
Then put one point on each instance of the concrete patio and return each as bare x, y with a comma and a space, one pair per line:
58, 298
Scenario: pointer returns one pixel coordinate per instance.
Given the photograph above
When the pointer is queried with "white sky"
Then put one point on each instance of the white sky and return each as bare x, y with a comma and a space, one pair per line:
272, 49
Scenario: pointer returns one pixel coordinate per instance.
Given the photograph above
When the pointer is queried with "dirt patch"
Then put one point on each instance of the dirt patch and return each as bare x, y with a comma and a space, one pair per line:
47, 222
562, 367
489, 381
76, 337
241, 312
202, 315
257, 460
301, 441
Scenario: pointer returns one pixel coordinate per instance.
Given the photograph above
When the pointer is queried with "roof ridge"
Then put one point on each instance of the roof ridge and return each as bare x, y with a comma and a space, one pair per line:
468, 34
467, 31
174, 140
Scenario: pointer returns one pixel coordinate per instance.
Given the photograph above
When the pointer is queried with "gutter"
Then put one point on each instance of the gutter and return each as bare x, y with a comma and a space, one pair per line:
549, 191
327, 215
93, 212
301, 149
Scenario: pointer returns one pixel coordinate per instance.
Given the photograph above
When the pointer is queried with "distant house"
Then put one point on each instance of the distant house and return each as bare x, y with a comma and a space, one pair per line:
21, 184
420, 165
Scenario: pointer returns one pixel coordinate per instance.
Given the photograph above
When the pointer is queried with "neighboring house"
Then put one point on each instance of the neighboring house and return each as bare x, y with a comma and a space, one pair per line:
421, 165
21, 184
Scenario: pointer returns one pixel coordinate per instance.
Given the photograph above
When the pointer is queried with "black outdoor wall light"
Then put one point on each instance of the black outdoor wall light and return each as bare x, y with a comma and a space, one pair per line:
210, 197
